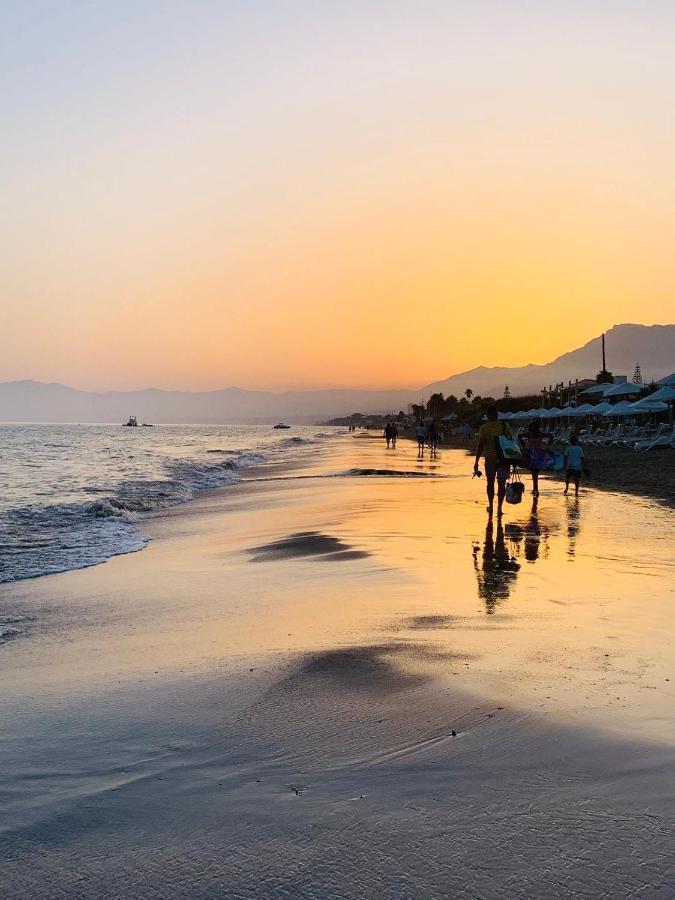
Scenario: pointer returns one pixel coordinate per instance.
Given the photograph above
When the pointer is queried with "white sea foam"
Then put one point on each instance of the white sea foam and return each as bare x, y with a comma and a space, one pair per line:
76, 495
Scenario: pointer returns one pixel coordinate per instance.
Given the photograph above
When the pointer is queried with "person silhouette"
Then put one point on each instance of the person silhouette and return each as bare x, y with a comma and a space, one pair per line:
495, 469
421, 435
433, 436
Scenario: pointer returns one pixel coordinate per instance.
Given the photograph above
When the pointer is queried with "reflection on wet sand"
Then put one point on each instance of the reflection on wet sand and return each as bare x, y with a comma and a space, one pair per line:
495, 569
573, 511
496, 563
530, 539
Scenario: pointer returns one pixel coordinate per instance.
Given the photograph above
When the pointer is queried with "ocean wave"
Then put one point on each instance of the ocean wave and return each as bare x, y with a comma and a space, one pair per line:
45, 539
42, 540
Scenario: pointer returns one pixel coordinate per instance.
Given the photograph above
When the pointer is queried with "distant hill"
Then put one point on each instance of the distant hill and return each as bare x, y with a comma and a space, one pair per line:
32, 401
653, 346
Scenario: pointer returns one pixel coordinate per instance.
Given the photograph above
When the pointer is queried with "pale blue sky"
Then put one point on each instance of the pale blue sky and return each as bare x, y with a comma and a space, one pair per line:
194, 169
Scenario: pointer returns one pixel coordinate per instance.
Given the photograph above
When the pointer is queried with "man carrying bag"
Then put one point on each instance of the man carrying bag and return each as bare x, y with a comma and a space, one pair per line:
500, 451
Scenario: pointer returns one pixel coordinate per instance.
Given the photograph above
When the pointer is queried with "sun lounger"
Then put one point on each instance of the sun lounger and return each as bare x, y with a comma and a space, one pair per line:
659, 438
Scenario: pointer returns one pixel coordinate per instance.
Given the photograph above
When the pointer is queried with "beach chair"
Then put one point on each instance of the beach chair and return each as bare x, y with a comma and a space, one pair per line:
628, 438
588, 437
639, 435
611, 435
664, 439
597, 437
656, 438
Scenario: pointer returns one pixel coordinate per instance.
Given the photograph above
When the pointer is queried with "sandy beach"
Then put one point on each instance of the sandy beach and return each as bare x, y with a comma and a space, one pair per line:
340, 680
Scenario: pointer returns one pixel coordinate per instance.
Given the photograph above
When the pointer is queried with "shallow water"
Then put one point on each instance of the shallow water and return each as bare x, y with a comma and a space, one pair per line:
73, 495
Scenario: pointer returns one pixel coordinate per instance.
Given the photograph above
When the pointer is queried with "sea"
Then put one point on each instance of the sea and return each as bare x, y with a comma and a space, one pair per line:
75, 495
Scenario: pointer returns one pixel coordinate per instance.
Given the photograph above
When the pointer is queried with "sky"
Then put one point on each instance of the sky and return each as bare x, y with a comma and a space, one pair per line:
292, 195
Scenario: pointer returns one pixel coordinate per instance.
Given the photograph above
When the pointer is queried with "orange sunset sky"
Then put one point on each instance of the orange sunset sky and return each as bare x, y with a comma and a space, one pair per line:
286, 194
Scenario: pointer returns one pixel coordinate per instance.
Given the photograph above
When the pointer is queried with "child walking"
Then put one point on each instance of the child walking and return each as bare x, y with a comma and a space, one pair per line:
574, 458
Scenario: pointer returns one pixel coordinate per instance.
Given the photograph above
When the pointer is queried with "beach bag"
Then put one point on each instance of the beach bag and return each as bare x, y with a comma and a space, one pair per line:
514, 489
508, 449
553, 462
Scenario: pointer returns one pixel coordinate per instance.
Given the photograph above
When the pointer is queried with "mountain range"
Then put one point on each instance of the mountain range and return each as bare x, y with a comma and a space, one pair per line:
653, 346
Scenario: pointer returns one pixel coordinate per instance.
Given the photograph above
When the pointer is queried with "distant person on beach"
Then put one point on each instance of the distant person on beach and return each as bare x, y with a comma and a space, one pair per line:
535, 447
433, 435
421, 435
394, 434
574, 460
387, 433
494, 468
466, 429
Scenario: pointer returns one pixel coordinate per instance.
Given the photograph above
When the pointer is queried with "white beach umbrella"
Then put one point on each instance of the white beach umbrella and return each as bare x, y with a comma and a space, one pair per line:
644, 407
624, 390
550, 413
624, 408
583, 410
567, 411
668, 380
598, 389
600, 408
667, 393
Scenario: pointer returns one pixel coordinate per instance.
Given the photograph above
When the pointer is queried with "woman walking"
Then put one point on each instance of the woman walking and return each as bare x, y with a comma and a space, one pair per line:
535, 447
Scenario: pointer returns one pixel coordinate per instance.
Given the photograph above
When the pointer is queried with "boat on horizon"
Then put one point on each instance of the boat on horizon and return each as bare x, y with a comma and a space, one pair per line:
132, 423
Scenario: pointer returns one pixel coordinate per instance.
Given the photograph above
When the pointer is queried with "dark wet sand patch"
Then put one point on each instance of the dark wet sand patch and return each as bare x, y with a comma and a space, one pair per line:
306, 544
372, 668
439, 622
429, 622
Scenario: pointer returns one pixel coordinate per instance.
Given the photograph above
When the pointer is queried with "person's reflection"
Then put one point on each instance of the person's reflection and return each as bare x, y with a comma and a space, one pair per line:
496, 571
573, 510
533, 533
527, 539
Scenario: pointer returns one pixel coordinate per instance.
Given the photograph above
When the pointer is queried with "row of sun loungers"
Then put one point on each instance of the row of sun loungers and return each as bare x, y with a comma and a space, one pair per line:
634, 437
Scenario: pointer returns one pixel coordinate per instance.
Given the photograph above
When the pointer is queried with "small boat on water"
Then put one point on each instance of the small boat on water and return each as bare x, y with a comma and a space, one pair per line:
282, 425
132, 423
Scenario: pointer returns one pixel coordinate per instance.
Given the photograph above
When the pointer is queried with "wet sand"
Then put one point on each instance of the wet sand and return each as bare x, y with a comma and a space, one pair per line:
648, 473
323, 683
